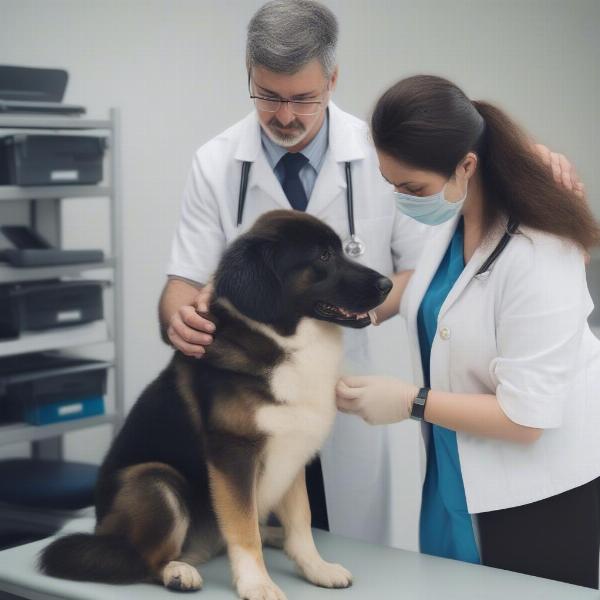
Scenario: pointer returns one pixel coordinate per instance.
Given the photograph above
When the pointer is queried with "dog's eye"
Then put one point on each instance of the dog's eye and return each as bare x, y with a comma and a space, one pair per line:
325, 256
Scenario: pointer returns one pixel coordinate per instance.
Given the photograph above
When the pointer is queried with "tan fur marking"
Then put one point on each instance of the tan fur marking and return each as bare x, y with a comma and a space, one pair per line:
237, 415
159, 556
170, 548
183, 379
302, 281
238, 523
229, 356
294, 513
131, 516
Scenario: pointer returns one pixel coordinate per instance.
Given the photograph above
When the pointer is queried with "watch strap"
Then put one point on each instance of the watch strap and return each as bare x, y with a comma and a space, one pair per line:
417, 411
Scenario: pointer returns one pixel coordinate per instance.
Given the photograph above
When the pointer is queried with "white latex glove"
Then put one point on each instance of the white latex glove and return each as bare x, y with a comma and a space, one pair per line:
378, 400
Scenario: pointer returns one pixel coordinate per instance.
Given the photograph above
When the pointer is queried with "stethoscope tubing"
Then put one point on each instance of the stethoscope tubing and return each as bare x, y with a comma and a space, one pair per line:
350, 199
243, 188
349, 202
354, 241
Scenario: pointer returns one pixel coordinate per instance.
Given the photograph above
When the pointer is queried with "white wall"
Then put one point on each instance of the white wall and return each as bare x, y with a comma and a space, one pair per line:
175, 68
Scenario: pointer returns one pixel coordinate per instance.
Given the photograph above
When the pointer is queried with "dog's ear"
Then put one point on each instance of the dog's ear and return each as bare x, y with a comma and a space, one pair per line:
247, 277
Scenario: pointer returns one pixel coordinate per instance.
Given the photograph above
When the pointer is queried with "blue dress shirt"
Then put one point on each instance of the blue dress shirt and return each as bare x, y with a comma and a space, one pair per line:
315, 152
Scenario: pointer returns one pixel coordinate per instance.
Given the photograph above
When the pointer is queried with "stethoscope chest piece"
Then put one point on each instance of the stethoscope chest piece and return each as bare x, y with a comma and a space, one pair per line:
354, 247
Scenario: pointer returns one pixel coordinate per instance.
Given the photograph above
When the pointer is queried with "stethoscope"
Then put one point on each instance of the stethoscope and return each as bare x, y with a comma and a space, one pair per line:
353, 246
511, 228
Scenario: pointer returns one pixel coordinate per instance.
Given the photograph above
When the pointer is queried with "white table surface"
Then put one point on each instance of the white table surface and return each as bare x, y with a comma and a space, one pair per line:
379, 573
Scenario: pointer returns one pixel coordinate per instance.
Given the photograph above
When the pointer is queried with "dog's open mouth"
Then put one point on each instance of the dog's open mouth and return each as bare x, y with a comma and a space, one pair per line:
339, 314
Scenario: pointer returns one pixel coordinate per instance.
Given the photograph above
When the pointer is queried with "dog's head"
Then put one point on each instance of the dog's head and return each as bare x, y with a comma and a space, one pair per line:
290, 265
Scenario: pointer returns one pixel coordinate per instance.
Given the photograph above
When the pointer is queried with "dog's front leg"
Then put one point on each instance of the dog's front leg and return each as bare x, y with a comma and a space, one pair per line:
294, 513
234, 499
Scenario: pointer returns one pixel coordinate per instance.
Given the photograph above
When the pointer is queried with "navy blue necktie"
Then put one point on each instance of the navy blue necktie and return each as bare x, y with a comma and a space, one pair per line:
292, 186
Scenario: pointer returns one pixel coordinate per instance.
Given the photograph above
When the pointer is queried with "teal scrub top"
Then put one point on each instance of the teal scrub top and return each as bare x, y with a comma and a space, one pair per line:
445, 527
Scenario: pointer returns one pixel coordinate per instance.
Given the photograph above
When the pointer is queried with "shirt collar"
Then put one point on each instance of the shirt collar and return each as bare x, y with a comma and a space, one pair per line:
315, 151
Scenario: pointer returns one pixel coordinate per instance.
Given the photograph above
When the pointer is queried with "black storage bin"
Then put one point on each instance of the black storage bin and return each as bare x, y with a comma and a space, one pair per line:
48, 304
31, 159
42, 389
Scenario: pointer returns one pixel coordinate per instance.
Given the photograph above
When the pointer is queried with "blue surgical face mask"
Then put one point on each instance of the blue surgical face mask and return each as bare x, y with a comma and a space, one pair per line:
430, 210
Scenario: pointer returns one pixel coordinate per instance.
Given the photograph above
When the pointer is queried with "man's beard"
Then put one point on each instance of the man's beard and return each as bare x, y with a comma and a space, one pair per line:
297, 132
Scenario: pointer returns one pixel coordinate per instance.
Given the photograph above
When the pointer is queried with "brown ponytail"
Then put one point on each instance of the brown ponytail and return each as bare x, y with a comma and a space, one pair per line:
429, 123
517, 183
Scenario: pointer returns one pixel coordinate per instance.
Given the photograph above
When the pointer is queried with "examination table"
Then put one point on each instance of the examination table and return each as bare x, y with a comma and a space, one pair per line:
379, 574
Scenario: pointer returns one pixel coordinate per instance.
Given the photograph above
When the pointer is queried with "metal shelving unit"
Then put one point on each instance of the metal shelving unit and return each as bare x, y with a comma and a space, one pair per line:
45, 203
10, 274
13, 192
15, 433
38, 121
56, 339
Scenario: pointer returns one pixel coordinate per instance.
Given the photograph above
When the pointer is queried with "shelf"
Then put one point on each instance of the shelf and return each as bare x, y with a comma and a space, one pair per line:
9, 274
22, 432
37, 121
101, 340
52, 192
64, 337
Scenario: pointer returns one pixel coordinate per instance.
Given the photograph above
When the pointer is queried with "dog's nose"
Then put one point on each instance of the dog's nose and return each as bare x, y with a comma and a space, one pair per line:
384, 285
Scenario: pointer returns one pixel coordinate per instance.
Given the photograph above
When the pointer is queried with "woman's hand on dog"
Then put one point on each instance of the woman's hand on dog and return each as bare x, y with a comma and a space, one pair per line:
378, 400
190, 332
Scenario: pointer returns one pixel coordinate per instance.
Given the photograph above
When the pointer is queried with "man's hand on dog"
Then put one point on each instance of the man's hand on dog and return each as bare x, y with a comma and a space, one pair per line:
188, 331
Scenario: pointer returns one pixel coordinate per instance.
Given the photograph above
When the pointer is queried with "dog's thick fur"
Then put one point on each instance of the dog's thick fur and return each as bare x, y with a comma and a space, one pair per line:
213, 446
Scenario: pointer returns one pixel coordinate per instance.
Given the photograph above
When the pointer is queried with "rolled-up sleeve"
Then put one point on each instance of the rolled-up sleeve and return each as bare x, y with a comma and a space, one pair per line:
199, 239
541, 313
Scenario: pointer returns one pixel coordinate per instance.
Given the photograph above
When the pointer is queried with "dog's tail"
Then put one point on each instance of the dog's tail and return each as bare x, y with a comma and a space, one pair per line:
90, 557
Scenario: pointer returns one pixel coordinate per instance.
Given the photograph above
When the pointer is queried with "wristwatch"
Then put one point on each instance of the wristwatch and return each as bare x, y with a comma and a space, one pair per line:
417, 411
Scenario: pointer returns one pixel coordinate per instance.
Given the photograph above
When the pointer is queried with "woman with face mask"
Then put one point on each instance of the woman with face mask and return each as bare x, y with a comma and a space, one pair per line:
507, 370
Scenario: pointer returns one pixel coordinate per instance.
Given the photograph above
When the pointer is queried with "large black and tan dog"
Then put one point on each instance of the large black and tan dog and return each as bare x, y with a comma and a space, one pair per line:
213, 446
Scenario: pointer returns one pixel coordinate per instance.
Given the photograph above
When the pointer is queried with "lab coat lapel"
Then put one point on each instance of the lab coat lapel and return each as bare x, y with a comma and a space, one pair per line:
471, 268
329, 186
261, 177
347, 143
433, 252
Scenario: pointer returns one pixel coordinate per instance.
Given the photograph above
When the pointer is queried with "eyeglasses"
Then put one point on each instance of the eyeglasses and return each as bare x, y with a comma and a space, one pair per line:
300, 108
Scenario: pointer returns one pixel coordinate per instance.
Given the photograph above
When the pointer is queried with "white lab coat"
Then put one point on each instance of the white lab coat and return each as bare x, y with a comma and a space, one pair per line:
519, 331
360, 463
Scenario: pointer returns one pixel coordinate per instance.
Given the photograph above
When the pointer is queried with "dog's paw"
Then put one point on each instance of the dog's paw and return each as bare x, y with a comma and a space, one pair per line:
262, 590
181, 576
329, 575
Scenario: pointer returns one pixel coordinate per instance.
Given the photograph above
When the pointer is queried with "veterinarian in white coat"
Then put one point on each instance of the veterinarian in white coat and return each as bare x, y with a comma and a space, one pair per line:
357, 460
497, 315
366, 480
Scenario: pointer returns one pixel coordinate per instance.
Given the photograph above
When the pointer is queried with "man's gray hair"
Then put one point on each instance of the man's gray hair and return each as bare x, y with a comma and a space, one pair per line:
285, 35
